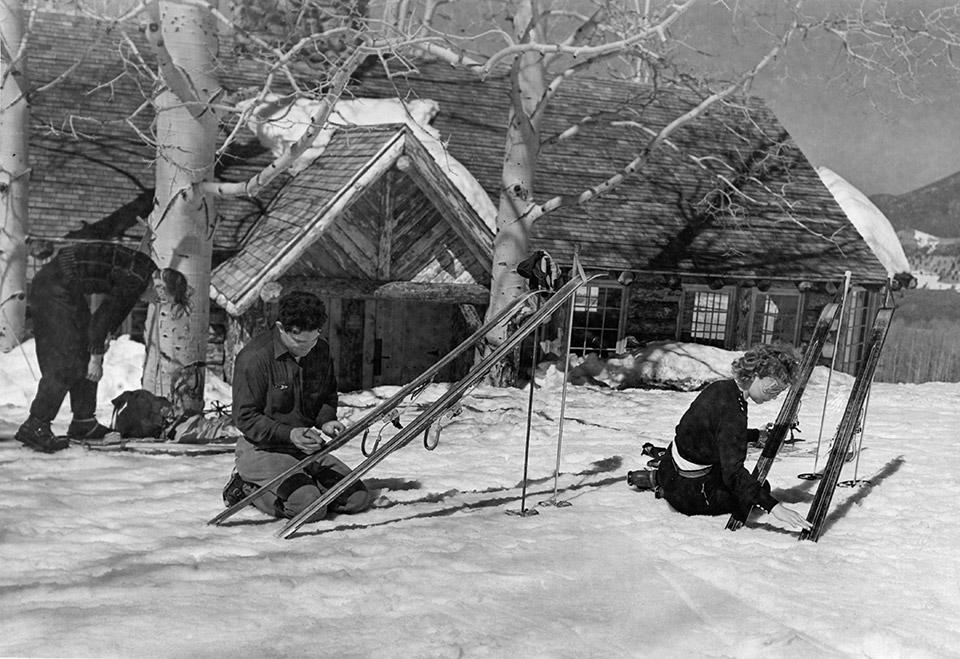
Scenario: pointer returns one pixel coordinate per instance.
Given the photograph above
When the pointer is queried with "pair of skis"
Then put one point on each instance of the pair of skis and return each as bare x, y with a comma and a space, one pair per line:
849, 426
787, 418
385, 410
446, 405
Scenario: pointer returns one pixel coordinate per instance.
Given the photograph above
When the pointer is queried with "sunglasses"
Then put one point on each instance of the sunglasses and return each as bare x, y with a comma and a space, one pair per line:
301, 336
772, 388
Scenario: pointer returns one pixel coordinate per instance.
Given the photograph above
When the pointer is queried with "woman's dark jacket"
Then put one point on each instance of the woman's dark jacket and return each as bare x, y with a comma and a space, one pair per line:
713, 431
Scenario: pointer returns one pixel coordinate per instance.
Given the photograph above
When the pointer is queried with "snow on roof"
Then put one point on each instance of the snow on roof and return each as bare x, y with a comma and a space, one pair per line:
869, 221
278, 125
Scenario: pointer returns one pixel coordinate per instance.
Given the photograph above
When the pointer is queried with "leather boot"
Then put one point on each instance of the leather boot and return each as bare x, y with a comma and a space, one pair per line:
643, 479
36, 434
87, 429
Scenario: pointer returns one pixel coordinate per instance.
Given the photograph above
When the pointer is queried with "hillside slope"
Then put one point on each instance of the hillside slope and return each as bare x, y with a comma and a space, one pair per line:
933, 209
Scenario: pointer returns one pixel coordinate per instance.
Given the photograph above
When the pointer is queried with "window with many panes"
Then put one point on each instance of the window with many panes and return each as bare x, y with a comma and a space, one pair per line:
775, 317
706, 315
855, 327
598, 317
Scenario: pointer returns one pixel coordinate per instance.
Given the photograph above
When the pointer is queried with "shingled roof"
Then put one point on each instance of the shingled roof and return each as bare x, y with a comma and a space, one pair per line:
674, 215
311, 229
661, 219
91, 174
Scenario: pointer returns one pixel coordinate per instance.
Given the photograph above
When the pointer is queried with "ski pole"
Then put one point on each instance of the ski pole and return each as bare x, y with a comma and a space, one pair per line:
856, 465
526, 446
552, 501
833, 365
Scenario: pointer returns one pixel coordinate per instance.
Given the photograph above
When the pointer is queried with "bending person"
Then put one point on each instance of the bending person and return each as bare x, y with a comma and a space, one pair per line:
71, 341
284, 395
702, 472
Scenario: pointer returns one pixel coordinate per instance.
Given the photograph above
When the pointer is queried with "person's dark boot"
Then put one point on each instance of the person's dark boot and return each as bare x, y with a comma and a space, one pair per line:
37, 435
355, 499
236, 490
643, 479
87, 429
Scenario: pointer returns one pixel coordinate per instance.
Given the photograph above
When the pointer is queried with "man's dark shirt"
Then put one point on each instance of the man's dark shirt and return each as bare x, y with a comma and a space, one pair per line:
273, 394
713, 431
117, 272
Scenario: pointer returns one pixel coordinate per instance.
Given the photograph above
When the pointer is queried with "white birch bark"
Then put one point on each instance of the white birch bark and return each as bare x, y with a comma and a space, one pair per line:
514, 222
183, 218
14, 177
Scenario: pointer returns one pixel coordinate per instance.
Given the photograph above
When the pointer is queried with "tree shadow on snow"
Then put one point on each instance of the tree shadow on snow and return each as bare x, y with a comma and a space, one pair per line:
613, 463
259, 521
394, 484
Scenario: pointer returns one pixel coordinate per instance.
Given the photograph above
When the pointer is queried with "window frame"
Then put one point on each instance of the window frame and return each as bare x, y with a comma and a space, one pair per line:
589, 309
861, 309
689, 294
755, 297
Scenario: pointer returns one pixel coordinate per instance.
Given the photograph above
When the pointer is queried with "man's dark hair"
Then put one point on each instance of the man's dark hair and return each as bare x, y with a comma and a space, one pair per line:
302, 311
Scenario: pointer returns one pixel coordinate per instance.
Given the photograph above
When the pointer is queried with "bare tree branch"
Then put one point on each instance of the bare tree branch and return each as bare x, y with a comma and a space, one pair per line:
108, 28
252, 186
660, 29
631, 168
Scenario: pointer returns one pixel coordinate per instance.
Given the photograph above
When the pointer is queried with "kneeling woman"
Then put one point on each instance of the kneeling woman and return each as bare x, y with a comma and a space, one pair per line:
702, 471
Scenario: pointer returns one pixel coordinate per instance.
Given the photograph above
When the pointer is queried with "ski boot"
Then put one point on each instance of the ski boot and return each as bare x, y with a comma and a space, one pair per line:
236, 490
81, 430
355, 499
643, 479
37, 435
656, 454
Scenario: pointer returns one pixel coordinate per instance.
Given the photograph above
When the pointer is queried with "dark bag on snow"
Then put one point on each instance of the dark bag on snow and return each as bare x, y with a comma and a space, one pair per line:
540, 271
140, 413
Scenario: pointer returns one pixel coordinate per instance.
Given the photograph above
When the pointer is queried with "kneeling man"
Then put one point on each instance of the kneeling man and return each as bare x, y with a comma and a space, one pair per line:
284, 395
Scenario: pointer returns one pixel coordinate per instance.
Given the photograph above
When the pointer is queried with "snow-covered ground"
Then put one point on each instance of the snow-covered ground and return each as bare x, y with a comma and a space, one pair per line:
108, 554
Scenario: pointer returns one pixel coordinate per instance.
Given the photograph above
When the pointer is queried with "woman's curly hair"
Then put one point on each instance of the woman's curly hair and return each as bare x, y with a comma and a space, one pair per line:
777, 360
178, 292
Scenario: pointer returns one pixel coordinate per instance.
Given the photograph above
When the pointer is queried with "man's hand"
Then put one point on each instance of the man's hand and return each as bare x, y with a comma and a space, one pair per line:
790, 516
332, 428
308, 440
95, 368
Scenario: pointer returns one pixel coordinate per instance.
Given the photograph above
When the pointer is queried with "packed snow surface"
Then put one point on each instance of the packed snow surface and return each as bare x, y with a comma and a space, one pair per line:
109, 554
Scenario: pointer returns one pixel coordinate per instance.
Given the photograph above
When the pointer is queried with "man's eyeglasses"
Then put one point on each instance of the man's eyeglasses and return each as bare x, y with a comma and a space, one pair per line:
301, 336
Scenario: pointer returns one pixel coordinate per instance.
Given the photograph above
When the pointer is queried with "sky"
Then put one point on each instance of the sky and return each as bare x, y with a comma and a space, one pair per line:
844, 118
890, 148
108, 554
870, 136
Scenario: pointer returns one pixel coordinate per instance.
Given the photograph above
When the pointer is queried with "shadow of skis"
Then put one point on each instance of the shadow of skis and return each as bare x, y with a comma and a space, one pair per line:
840, 511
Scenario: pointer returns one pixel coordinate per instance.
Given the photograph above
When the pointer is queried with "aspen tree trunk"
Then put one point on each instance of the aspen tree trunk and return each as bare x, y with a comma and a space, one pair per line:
183, 217
14, 178
512, 241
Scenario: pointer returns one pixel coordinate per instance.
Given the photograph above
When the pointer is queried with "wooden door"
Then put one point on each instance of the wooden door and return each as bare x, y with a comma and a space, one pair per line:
410, 336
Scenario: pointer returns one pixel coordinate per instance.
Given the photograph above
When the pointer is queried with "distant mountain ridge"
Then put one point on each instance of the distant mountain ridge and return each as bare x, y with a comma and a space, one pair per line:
932, 209
927, 222
935, 262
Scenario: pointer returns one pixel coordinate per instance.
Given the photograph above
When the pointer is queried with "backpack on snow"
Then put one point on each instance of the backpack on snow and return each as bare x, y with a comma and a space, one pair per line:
140, 413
